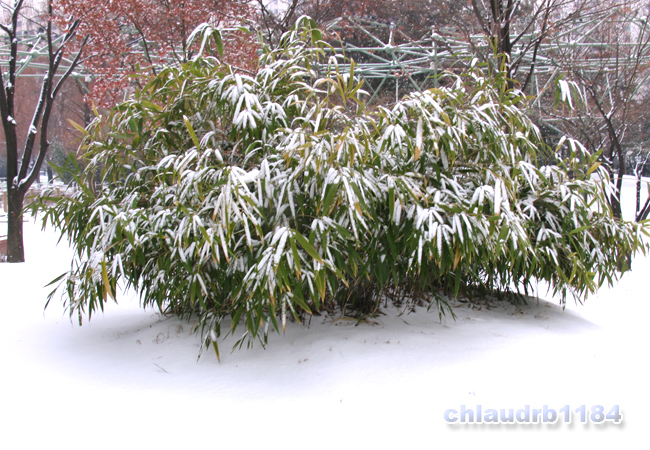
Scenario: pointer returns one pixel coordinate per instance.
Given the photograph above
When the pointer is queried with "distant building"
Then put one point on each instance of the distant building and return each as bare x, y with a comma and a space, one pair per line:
29, 22
277, 6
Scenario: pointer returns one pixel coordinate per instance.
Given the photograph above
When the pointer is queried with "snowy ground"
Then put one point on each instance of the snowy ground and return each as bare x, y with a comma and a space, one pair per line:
131, 379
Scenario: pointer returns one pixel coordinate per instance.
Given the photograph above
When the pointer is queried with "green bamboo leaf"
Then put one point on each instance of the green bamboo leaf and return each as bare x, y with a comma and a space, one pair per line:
580, 229
321, 284
107, 284
215, 346
457, 280
573, 271
78, 127
344, 233
307, 246
504, 232
593, 167
190, 130
218, 41
296, 256
332, 190
299, 298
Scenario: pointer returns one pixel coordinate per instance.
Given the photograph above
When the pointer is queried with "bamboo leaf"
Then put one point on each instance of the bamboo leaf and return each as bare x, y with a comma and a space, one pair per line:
190, 130
107, 284
307, 246
78, 127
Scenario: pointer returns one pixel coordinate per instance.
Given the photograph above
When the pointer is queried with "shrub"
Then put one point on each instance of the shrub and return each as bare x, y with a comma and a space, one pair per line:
259, 197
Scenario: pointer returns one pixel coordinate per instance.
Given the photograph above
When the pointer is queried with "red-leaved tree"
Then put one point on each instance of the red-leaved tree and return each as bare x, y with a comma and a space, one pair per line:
135, 36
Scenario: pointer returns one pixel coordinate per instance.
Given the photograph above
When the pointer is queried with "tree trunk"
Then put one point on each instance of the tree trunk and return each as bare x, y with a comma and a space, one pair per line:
643, 214
15, 248
616, 202
616, 205
20, 178
638, 193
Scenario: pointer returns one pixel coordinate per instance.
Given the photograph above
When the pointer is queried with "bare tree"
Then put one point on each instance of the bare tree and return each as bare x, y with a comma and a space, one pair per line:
24, 164
517, 30
610, 65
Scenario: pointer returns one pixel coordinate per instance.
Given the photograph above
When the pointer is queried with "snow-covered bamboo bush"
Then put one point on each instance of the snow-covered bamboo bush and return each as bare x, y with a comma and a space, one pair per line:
258, 197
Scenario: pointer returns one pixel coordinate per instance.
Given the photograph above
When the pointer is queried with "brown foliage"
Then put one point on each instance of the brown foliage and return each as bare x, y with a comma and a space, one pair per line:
410, 20
132, 36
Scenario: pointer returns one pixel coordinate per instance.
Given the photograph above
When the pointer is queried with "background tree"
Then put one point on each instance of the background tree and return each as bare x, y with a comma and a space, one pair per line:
413, 19
516, 30
136, 36
609, 66
24, 165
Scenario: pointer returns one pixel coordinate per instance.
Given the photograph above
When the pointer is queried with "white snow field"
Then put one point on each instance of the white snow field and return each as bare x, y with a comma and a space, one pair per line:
130, 379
